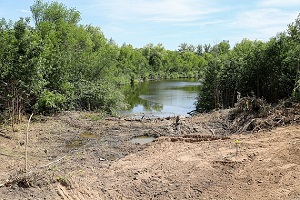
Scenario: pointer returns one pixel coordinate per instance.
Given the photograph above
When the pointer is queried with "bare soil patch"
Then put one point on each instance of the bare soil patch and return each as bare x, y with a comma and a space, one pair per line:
75, 155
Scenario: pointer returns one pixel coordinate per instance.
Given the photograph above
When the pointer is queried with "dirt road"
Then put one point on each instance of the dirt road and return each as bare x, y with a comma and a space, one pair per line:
74, 156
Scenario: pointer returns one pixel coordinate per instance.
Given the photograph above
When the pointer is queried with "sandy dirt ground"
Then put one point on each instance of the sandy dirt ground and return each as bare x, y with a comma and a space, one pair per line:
78, 156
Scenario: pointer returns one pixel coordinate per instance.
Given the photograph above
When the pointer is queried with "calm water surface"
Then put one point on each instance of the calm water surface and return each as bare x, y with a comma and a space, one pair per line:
162, 98
142, 139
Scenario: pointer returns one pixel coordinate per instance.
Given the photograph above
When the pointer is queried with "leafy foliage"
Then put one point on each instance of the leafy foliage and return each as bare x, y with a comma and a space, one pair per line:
267, 70
60, 65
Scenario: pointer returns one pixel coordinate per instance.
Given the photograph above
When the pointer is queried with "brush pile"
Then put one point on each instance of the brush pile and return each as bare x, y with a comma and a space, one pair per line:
255, 114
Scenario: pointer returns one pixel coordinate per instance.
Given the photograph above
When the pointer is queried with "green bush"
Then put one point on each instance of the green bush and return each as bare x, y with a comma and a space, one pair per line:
99, 96
50, 102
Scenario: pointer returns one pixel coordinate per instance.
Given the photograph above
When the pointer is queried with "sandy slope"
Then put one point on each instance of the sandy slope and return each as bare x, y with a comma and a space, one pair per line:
267, 166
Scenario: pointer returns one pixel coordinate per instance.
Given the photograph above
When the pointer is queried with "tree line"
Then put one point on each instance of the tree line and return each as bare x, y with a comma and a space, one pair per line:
267, 70
58, 64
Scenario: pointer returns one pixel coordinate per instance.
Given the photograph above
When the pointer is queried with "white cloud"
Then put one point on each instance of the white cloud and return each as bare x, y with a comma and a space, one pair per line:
202, 23
280, 3
23, 11
266, 21
158, 10
199, 21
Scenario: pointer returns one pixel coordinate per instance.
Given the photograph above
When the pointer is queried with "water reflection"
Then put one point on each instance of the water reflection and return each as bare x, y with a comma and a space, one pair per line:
142, 139
162, 98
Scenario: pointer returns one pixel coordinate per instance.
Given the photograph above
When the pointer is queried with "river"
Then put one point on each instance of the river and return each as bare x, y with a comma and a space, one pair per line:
162, 98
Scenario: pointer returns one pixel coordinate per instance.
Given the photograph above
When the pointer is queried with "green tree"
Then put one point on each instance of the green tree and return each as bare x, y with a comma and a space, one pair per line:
21, 70
293, 57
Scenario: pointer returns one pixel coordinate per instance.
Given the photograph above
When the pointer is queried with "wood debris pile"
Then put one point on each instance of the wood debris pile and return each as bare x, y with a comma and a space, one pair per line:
254, 114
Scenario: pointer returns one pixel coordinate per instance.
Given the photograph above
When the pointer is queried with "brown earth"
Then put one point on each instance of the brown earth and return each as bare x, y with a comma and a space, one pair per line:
78, 156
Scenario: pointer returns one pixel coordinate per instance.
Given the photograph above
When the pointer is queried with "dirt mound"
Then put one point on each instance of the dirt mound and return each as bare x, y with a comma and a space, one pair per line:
192, 138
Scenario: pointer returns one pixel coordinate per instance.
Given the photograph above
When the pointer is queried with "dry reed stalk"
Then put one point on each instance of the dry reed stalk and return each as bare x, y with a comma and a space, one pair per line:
26, 144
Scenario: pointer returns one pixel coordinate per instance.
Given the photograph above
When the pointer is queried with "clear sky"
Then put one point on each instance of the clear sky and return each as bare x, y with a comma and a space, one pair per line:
172, 22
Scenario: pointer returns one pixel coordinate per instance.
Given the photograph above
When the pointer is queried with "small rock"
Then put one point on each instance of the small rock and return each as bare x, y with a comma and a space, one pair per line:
259, 181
